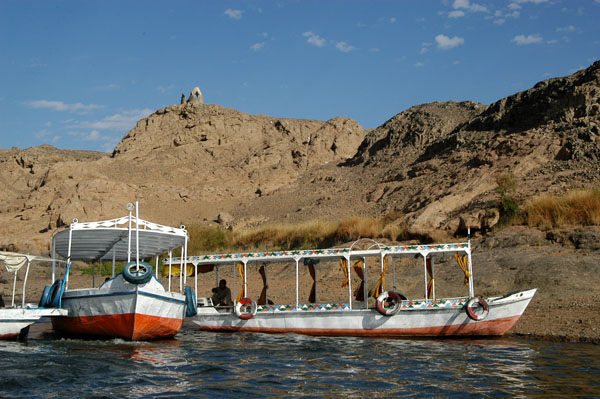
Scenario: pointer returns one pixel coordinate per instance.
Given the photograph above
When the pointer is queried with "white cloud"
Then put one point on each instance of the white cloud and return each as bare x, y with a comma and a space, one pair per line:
94, 135
393, 20
164, 89
42, 133
531, 1
122, 121
521, 40
110, 86
456, 14
514, 6
61, 106
376, 49
233, 14
569, 28
344, 47
446, 43
466, 5
419, 64
314, 39
257, 46
425, 47
461, 4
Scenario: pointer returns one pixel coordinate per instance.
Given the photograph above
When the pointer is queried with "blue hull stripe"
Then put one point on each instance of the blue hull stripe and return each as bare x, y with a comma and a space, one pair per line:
124, 293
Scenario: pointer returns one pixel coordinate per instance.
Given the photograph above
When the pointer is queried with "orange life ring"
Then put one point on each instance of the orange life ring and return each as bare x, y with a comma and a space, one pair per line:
388, 303
482, 303
245, 309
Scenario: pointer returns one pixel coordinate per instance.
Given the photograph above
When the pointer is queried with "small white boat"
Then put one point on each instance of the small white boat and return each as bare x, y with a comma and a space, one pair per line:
16, 318
390, 315
133, 305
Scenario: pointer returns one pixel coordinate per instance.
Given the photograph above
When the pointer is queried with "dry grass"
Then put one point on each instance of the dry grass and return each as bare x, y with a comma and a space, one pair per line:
577, 207
311, 234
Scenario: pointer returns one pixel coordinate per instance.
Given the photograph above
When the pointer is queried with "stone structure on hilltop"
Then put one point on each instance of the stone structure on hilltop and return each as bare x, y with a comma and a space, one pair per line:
194, 98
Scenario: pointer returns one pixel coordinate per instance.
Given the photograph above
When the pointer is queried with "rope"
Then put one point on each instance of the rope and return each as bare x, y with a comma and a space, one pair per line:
464, 265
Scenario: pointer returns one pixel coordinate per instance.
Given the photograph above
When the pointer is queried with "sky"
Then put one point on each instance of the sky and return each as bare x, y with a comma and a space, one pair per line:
79, 74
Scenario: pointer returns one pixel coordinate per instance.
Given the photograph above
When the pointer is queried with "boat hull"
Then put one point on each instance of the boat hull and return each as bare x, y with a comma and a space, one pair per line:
415, 318
14, 321
122, 310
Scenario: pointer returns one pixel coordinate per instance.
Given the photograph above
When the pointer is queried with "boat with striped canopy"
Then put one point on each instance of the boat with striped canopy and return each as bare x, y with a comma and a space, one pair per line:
376, 312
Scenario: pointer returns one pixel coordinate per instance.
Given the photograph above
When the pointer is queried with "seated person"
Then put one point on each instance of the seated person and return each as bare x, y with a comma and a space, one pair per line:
221, 295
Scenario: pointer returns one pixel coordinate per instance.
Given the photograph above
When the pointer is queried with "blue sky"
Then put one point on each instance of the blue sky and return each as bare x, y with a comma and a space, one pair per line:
80, 74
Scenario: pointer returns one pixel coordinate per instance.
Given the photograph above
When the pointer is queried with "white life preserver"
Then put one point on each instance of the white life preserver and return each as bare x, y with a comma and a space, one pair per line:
245, 309
388, 303
482, 303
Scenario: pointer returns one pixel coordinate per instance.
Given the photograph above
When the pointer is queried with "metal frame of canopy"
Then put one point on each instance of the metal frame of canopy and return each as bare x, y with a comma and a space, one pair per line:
116, 239
14, 262
349, 254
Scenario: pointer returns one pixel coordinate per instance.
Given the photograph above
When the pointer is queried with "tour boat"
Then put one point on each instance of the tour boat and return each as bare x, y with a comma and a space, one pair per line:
16, 318
390, 314
132, 305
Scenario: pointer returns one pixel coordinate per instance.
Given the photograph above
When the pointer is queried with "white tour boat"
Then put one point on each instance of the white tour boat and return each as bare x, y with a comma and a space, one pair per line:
16, 318
390, 315
134, 304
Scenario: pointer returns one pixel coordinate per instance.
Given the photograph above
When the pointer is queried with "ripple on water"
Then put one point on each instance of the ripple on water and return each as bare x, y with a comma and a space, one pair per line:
199, 364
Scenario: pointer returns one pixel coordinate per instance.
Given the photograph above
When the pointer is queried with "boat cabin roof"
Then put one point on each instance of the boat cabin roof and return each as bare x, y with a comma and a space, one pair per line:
113, 239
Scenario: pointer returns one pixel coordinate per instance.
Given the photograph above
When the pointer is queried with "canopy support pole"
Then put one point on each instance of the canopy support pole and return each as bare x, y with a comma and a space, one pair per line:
366, 286
394, 274
25, 282
245, 280
137, 237
425, 273
113, 263
53, 260
14, 288
297, 283
129, 235
170, 267
349, 281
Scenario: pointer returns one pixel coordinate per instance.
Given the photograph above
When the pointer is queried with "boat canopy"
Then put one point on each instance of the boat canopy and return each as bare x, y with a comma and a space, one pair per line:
14, 261
115, 239
326, 254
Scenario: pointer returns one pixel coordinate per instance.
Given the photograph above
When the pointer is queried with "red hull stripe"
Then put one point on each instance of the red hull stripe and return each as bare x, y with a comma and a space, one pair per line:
484, 328
129, 326
9, 336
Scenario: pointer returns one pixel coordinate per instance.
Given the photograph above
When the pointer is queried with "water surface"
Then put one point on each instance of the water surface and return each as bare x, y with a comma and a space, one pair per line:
201, 364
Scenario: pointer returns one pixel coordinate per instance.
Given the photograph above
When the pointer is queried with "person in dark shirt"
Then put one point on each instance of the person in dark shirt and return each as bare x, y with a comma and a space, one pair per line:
221, 295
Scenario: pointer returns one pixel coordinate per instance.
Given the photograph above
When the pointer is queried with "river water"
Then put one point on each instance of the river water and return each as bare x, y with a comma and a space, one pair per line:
198, 364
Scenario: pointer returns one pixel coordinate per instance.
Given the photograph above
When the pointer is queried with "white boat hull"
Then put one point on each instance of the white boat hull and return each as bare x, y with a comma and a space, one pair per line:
415, 318
119, 309
14, 321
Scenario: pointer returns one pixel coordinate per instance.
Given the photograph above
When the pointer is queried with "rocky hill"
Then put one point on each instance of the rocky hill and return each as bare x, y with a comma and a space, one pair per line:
436, 164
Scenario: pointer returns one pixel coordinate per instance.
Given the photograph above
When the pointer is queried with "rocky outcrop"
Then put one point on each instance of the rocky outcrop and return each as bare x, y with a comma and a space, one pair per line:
439, 162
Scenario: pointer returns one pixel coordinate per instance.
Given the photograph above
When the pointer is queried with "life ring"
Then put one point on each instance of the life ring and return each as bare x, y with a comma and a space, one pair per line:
191, 308
389, 302
482, 303
45, 299
135, 276
55, 294
247, 304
